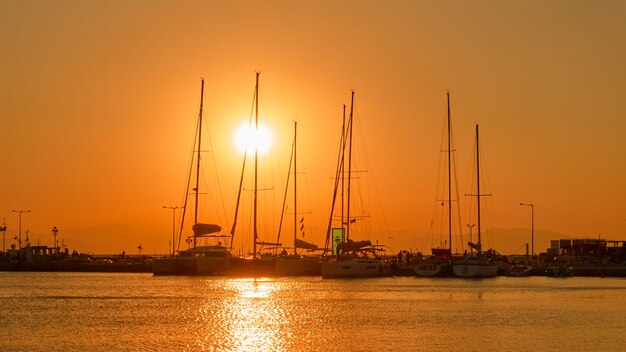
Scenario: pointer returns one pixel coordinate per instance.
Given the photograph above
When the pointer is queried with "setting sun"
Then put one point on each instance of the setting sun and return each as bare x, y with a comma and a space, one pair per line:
248, 138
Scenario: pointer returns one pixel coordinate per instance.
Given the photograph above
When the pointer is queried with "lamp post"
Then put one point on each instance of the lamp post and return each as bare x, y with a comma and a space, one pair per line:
173, 226
471, 226
532, 226
3, 228
19, 241
55, 231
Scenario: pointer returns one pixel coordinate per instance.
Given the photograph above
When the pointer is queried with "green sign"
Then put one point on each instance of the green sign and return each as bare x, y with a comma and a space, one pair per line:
337, 238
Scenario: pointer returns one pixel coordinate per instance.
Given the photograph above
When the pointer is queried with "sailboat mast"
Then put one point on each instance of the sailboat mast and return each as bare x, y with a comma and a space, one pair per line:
338, 179
349, 164
195, 218
256, 157
295, 189
478, 187
449, 181
343, 169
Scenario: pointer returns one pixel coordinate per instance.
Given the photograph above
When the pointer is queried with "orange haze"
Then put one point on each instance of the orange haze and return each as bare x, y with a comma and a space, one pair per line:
99, 99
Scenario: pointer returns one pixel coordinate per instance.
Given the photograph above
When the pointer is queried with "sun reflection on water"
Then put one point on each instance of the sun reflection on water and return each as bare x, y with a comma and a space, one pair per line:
247, 317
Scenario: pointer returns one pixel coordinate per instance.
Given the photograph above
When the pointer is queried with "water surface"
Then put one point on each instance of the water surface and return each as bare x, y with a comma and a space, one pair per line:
134, 312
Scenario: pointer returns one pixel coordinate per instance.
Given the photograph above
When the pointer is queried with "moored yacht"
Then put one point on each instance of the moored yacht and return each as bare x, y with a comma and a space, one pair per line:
479, 264
437, 265
356, 267
197, 259
254, 264
201, 260
351, 259
359, 260
296, 264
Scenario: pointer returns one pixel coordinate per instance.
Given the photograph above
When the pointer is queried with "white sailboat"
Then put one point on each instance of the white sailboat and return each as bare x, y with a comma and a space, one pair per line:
296, 264
255, 264
203, 259
478, 264
352, 259
440, 262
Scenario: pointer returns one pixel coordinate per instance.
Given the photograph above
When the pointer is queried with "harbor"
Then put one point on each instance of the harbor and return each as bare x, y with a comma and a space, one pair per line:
350, 248
565, 258
312, 176
52, 259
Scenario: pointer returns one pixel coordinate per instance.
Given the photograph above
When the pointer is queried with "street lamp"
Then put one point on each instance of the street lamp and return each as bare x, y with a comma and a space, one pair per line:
173, 225
3, 228
55, 231
19, 241
532, 226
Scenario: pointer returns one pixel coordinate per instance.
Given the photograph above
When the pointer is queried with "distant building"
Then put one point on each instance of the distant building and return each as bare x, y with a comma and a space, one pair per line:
588, 248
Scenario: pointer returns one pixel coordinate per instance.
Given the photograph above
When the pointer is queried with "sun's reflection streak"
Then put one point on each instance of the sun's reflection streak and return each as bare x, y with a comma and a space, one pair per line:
248, 317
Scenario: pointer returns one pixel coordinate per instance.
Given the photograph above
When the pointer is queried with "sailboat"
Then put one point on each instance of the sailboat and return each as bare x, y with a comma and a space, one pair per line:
296, 264
351, 259
480, 263
440, 262
198, 259
255, 264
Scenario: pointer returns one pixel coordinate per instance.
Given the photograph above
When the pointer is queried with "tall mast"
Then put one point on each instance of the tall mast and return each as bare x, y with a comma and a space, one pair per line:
349, 164
295, 189
343, 169
195, 219
256, 157
449, 181
478, 187
338, 178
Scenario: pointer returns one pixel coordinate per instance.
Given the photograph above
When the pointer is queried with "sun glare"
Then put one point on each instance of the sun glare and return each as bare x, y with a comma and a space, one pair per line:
248, 138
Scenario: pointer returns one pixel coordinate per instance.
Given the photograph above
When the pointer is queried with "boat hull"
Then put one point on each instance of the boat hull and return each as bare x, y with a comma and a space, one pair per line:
298, 266
518, 271
257, 267
559, 271
433, 270
356, 268
475, 268
190, 266
174, 266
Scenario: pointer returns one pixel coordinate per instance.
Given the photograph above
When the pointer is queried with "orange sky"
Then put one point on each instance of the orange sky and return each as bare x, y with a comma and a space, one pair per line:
99, 99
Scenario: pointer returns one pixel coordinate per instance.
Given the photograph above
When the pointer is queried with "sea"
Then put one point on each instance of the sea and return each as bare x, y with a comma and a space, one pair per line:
142, 312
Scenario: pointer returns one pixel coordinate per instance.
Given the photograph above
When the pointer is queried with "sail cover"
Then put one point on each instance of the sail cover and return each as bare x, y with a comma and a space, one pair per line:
305, 245
205, 229
475, 246
352, 246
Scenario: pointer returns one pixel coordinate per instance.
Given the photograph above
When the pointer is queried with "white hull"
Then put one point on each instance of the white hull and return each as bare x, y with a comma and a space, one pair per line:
475, 268
355, 268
